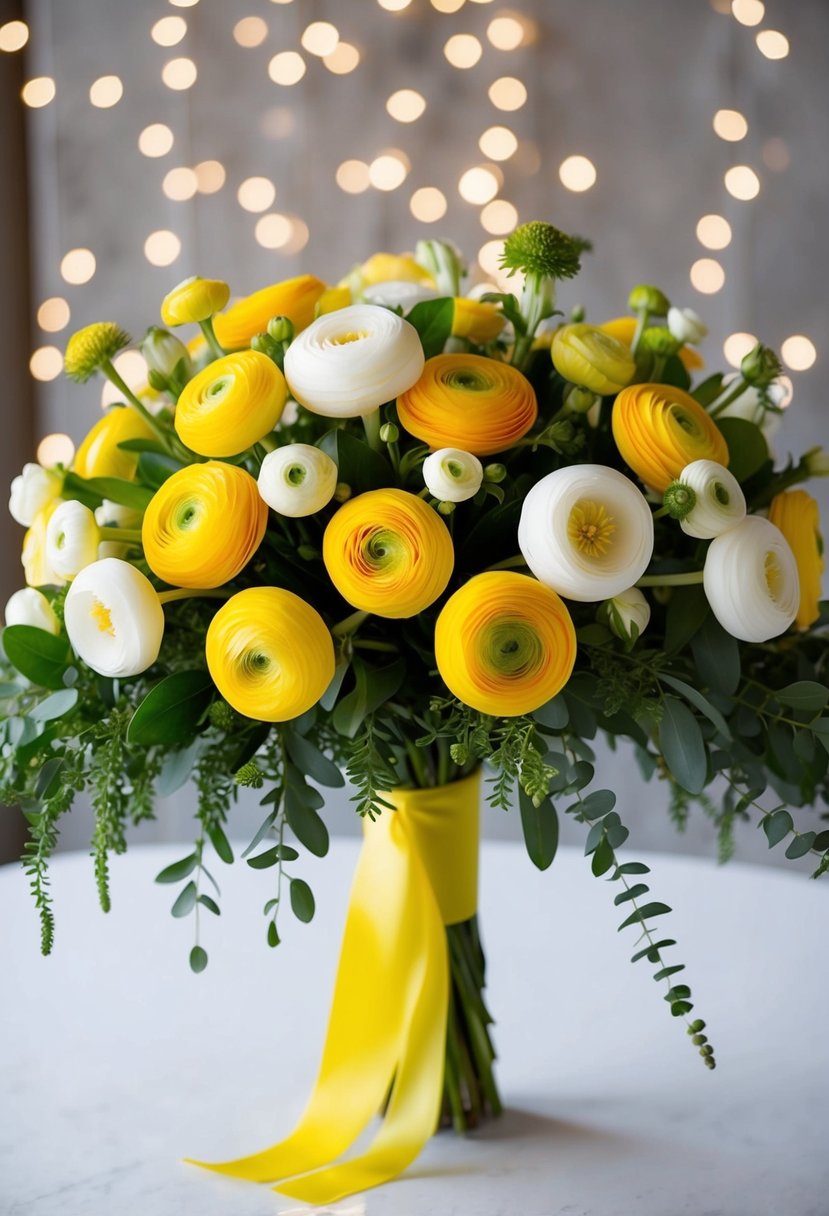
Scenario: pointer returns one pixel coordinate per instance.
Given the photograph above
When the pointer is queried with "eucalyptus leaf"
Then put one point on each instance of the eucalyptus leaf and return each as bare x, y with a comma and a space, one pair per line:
311, 761
698, 701
777, 827
186, 901
682, 745
55, 706
540, 828
807, 695
302, 900
717, 657
172, 710
198, 959
39, 656
553, 714
747, 447
178, 870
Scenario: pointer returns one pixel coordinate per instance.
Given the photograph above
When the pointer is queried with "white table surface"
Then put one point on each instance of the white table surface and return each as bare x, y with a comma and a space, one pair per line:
116, 1061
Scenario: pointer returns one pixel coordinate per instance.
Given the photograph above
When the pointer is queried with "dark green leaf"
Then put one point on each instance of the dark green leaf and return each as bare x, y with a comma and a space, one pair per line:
540, 827
116, 489
698, 701
679, 1008
37, 655
207, 902
634, 867
801, 845
263, 861
176, 769
178, 870
653, 950
373, 687
687, 609
645, 913
302, 900
666, 972
805, 694
310, 760
48, 775
186, 901
172, 710
155, 467
747, 447
553, 714
220, 843
602, 858
709, 390
198, 959
680, 993
777, 827
717, 656
305, 823
682, 745
433, 321
329, 697
598, 803
55, 706
358, 465
273, 935
635, 892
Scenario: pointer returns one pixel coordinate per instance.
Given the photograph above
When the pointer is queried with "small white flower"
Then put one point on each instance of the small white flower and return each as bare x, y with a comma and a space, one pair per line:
452, 475
348, 362
628, 614
751, 580
31, 607
398, 294
115, 515
72, 537
586, 531
686, 325
720, 502
297, 480
163, 352
32, 491
114, 619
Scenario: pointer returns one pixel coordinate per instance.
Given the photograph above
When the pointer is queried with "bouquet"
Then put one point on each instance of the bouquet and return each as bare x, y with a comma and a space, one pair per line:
391, 532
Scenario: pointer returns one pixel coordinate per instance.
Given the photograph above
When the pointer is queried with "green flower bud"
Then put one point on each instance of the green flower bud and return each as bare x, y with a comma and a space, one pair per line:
281, 329
250, 775
446, 508
307, 553
163, 352
760, 366
389, 433
577, 314
445, 264
459, 753
709, 1062
647, 298
543, 251
222, 716
91, 348
579, 400
495, 472
267, 345
659, 340
816, 462
342, 492
706, 1050
679, 500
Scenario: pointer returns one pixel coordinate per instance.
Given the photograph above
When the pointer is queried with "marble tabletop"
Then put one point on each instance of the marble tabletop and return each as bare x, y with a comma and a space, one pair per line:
116, 1061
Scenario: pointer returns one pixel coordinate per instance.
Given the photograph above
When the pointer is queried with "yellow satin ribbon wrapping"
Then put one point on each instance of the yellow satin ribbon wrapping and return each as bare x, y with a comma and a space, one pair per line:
417, 873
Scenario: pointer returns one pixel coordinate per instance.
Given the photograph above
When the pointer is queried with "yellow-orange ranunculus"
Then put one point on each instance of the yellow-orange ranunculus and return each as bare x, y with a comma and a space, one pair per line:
623, 329
269, 654
797, 516
194, 300
470, 402
203, 525
587, 356
295, 299
387, 553
659, 430
100, 456
504, 643
477, 320
231, 404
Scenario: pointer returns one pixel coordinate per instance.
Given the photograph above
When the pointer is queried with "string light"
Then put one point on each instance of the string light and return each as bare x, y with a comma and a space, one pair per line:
508, 93
776, 155
38, 92
53, 315
155, 140
77, 266
448, 6
210, 176
256, 193
391, 6
406, 105
162, 247
180, 184
132, 368
250, 31
463, 50
798, 352
428, 204
343, 59
714, 232
169, 31
388, 171
499, 217
772, 44
353, 177
184, 3
13, 36
506, 33
106, 92
273, 231
179, 74
742, 183
489, 258
577, 173
748, 12
737, 346
320, 38
55, 449
478, 185
707, 276
498, 143
46, 363
730, 125
288, 67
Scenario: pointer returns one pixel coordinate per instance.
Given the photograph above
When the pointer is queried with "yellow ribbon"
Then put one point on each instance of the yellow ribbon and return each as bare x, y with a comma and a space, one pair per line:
417, 872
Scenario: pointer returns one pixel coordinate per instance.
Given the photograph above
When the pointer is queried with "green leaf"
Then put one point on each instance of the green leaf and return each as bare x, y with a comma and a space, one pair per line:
273, 935
635, 892
48, 775
603, 858
263, 861
302, 900
178, 870
305, 823
666, 972
329, 697
687, 610
116, 489
821, 731
220, 843
509, 307
801, 845
198, 959
553, 714
804, 694
680, 993
709, 390
373, 687
681, 742
155, 467
747, 447
55, 706
698, 701
777, 827
653, 950
717, 656
597, 804
208, 902
680, 1008
647, 912
186, 901
143, 445
433, 321
311, 761
172, 710
540, 827
37, 655
358, 465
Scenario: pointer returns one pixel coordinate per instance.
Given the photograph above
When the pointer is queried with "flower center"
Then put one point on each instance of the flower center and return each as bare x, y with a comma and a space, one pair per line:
591, 528
721, 494
102, 617
353, 335
295, 474
774, 576
470, 379
218, 389
512, 648
255, 663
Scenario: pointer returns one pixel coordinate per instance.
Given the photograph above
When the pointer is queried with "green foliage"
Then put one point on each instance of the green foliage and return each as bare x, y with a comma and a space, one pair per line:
172, 710
433, 321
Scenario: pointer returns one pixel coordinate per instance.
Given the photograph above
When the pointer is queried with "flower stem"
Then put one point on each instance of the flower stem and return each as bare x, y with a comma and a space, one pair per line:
371, 423
642, 318
187, 593
209, 332
112, 375
509, 563
131, 536
349, 624
736, 392
671, 580
662, 511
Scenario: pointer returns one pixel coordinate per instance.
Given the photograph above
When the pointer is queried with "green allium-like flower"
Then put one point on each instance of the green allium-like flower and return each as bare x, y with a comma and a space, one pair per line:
679, 500
659, 340
761, 366
250, 775
543, 251
646, 297
90, 348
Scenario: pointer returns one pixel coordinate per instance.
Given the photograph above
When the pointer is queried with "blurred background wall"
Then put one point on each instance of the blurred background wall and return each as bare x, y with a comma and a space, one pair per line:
252, 140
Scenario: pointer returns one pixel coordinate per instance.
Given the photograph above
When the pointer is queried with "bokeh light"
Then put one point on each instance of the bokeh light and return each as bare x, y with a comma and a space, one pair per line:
106, 92
38, 91
250, 31
748, 12
463, 50
180, 184
498, 143
53, 314
320, 38
798, 352
742, 183
155, 140
506, 33
388, 171
210, 176
776, 154
714, 232
13, 36
273, 231
162, 247
406, 105
428, 204
499, 217
179, 74
77, 266
577, 173
256, 193
343, 59
478, 185
707, 276
772, 44
56, 448
46, 363
508, 93
737, 346
169, 31
132, 368
730, 125
353, 177
286, 68
391, 6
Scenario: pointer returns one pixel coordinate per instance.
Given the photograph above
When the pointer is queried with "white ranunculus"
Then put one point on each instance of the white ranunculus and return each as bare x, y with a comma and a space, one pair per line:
628, 614
720, 502
115, 515
749, 406
751, 580
398, 294
348, 362
686, 325
452, 475
72, 538
297, 480
32, 491
31, 607
114, 619
586, 531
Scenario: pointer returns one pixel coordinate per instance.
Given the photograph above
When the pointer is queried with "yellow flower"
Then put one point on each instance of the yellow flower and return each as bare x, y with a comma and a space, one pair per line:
659, 430
292, 298
92, 348
332, 300
469, 402
476, 320
588, 356
797, 516
504, 643
194, 300
231, 404
387, 553
269, 654
387, 268
35, 555
100, 456
203, 525
623, 329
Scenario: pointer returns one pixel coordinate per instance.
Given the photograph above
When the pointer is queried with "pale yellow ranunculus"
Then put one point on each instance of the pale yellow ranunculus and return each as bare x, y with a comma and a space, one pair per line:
194, 300
295, 299
230, 405
797, 515
34, 556
586, 355
387, 268
476, 320
659, 430
100, 456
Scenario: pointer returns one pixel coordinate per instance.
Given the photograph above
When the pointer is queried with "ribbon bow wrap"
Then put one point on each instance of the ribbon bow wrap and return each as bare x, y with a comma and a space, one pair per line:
417, 873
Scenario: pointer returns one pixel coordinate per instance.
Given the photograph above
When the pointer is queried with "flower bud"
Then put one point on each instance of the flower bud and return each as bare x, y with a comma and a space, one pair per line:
31, 607
452, 475
281, 329
446, 508
816, 462
92, 348
389, 433
495, 472
718, 500
194, 299
32, 491
72, 538
760, 366
659, 340
297, 480
679, 500
164, 352
628, 614
266, 345
222, 716
585, 355
579, 400
342, 492
444, 262
686, 326
577, 314
647, 298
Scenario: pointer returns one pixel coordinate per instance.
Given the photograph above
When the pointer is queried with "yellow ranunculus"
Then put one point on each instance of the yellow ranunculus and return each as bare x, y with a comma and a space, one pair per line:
797, 516
231, 404
295, 299
269, 654
586, 355
203, 525
623, 329
100, 456
35, 554
387, 553
388, 268
659, 430
476, 320
504, 643
332, 300
194, 300
470, 402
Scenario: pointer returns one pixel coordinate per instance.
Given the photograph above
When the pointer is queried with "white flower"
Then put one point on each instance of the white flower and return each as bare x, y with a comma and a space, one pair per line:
72, 537
32, 491
31, 607
720, 502
482, 289
686, 325
398, 294
163, 352
586, 531
628, 614
749, 405
116, 515
114, 619
751, 580
347, 363
297, 480
452, 475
